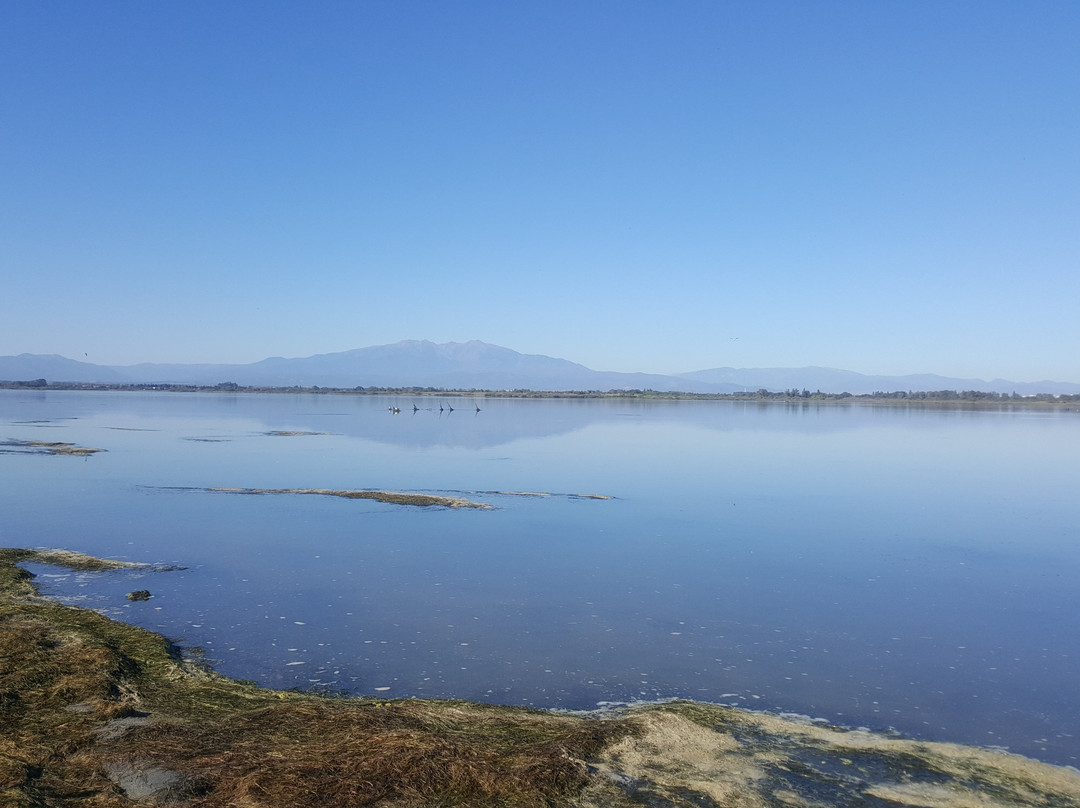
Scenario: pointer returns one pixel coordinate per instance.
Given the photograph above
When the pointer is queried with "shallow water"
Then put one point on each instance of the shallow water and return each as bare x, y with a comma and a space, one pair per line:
883, 567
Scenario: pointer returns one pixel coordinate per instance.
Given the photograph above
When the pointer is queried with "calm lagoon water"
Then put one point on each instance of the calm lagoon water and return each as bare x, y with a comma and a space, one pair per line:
912, 569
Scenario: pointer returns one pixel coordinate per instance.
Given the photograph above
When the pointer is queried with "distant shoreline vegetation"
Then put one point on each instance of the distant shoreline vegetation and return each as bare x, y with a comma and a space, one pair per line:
760, 395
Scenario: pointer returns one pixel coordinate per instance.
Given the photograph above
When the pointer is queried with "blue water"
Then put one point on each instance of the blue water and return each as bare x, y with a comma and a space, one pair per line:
912, 569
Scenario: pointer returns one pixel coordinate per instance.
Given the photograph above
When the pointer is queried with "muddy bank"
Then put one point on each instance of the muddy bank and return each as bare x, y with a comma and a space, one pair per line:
95, 712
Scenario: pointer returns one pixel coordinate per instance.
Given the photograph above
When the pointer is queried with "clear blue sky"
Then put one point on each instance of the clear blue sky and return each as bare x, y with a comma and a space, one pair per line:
887, 187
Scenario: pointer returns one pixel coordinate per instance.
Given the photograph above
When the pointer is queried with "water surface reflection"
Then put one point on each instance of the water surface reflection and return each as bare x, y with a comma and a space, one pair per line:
906, 568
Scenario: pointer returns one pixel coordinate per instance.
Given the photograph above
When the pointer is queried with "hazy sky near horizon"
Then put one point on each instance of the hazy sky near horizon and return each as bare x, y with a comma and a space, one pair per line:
637, 186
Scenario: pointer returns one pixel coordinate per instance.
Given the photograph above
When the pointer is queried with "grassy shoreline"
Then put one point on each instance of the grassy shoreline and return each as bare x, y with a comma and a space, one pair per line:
94, 712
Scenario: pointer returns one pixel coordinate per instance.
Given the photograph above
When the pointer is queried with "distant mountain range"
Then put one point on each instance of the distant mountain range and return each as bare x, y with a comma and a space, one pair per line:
479, 365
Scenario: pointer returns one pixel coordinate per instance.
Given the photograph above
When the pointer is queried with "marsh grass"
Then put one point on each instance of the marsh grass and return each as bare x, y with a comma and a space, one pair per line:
402, 753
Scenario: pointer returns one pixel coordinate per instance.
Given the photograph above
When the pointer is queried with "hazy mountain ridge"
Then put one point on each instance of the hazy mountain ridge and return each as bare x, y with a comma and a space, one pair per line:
56, 368
479, 365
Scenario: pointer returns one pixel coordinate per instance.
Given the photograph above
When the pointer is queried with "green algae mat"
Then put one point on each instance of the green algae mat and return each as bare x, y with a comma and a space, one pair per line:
98, 713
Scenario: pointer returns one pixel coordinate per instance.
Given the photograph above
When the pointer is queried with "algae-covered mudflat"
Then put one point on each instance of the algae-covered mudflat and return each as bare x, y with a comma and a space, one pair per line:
96, 712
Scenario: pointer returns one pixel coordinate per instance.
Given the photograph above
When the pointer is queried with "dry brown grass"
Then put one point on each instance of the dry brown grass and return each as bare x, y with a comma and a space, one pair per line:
55, 688
396, 753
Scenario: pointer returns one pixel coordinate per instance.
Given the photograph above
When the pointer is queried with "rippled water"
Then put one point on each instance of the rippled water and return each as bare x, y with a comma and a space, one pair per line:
875, 566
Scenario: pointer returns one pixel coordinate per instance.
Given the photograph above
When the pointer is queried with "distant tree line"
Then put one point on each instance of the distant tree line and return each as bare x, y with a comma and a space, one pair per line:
791, 395
31, 383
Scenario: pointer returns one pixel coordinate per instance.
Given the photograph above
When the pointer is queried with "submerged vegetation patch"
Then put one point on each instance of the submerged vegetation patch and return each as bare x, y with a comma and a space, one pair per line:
391, 497
289, 433
95, 712
45, 447
545, 494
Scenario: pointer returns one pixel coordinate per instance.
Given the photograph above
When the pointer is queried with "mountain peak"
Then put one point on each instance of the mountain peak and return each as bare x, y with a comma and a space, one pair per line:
480, 365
